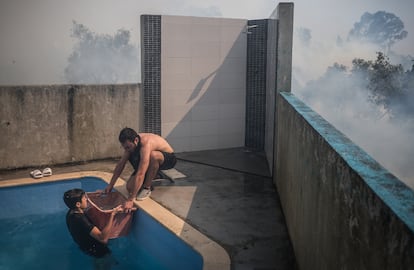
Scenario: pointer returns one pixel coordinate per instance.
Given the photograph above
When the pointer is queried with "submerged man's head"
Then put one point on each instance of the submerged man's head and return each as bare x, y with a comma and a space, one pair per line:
72, 197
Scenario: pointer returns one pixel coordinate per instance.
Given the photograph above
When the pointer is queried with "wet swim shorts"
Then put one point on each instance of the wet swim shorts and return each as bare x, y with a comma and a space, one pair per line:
169, 161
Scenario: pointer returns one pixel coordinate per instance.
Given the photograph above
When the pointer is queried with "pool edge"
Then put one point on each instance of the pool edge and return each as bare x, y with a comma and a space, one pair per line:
214, 256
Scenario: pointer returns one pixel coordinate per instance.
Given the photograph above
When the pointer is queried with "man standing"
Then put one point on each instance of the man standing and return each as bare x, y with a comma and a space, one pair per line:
148, 153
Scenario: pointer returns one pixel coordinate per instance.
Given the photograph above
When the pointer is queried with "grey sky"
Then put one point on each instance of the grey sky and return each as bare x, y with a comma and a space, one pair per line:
35, 34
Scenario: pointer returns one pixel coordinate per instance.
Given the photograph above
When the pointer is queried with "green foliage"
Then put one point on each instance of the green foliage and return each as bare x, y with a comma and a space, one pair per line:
384, 79
388, 89
407, 101
388, 84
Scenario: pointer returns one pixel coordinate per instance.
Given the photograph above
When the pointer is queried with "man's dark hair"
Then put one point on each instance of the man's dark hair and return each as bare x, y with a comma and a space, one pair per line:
127, 134
71, 197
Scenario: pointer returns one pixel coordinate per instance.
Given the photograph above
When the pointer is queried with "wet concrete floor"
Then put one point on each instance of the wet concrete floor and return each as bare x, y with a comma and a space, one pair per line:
228, 195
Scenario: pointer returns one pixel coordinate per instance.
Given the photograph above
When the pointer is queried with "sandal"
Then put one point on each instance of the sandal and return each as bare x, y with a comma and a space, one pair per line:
36, 174
47, 172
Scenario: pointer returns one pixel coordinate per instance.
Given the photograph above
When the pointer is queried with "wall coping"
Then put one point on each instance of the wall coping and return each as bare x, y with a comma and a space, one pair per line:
392, 191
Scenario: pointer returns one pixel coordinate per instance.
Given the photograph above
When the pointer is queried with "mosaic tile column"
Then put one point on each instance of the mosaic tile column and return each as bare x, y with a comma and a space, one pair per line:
151, 71
256, 83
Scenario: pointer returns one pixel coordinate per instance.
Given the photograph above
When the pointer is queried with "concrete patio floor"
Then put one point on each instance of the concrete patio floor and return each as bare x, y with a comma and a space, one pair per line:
227, 195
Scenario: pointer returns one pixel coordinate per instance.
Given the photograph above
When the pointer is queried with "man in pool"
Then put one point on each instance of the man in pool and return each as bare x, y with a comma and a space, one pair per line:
90, 239
148, 153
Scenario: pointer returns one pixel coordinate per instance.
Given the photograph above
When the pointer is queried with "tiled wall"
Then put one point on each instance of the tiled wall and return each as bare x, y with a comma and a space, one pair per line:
209, 84
203, 82
256, 84
151, 71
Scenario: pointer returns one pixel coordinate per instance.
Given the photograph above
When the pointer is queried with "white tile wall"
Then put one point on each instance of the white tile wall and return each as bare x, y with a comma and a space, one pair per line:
178, 65
205, 142
203, 75
205, 112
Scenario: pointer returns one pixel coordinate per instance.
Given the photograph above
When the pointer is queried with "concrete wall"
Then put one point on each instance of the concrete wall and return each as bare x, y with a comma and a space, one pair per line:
279, 71
343, 210
44, 125
203, 82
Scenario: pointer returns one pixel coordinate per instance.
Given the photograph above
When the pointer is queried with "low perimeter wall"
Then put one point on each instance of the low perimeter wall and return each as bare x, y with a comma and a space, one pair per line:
42, 125
343, 210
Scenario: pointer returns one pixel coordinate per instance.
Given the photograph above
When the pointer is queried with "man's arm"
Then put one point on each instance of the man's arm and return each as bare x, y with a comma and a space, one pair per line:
103, 236
141, 171
117, 171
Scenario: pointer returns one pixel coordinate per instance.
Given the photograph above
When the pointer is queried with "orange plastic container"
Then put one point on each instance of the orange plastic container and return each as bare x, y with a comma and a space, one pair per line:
100, 209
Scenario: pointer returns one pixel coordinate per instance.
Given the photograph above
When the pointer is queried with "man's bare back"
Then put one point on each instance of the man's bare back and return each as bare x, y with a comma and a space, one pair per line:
155, 142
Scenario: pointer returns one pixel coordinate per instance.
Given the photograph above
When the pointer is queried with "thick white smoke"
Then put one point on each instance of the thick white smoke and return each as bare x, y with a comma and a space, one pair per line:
345, 103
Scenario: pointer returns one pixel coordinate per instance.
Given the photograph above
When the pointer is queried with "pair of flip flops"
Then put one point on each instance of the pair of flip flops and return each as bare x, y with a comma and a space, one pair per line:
36, 174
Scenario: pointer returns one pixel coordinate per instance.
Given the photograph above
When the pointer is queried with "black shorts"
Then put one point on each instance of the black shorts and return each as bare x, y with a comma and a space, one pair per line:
169, 161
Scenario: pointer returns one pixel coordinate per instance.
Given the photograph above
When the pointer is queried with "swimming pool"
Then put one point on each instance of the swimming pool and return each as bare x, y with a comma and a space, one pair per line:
35, 212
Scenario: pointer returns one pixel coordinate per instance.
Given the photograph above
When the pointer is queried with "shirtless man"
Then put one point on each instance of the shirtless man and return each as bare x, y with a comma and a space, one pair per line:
148, 153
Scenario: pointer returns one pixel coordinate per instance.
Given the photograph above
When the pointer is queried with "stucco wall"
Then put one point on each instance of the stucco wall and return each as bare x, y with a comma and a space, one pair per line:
41, 125
279, 71
343, 210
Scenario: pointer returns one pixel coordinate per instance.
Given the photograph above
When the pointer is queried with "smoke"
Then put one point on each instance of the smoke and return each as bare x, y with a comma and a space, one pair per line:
322, 79
101, 58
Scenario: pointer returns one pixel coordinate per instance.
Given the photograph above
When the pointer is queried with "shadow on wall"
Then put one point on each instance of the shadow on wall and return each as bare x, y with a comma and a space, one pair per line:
200, 85
203, 101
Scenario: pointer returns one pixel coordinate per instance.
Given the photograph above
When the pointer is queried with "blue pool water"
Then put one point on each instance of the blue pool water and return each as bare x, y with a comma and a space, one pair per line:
33, 234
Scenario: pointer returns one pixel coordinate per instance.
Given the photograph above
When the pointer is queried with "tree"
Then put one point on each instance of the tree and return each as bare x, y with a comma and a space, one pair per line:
384, 80
381, 28
101, 58
407, 103
383, 84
